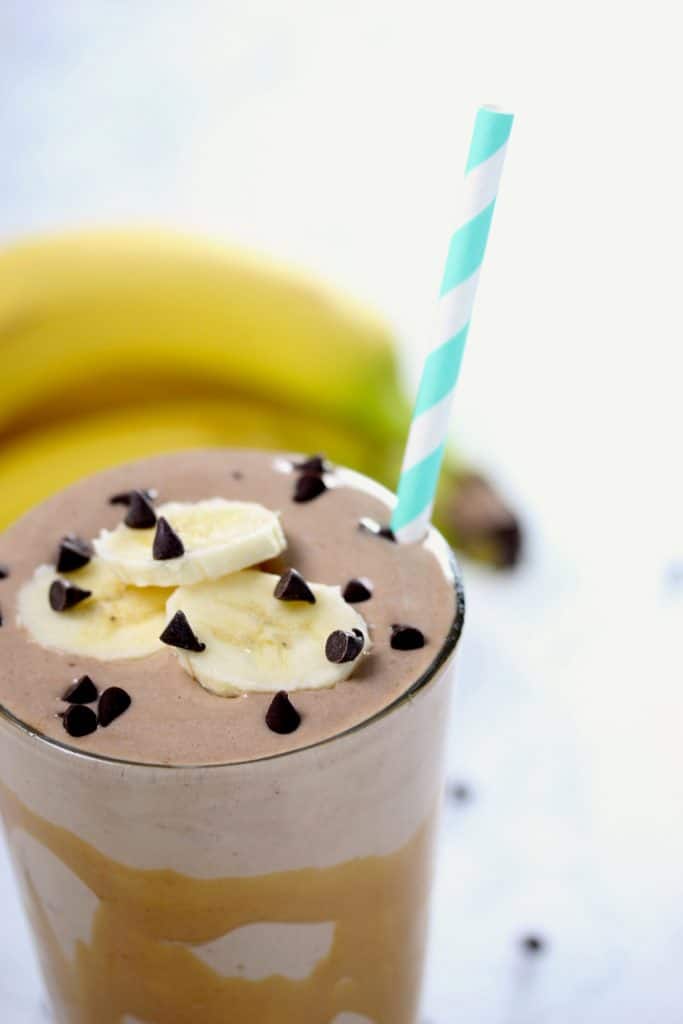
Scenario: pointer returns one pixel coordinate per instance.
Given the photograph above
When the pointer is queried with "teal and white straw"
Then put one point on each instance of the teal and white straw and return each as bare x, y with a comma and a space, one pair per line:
429, 427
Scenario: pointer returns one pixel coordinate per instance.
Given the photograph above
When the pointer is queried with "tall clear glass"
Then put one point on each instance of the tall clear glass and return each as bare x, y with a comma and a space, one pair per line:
289, 889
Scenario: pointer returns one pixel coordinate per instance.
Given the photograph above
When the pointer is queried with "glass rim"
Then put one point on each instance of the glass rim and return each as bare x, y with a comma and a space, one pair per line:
448, 562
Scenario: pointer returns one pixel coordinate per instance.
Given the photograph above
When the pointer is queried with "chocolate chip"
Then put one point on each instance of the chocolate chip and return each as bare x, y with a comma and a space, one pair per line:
179, 633
73, 553
141, 514
342, 646
406, 638
533, 944
83, 691
357, 590
167, 543
313, 464
372, 526
4, 571
79, 720
113, 702
282, 717
460, 792
308, 487
64, 595
123, 497
293, 587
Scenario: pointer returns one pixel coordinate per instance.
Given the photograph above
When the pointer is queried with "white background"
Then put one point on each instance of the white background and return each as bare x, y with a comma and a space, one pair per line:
333, 133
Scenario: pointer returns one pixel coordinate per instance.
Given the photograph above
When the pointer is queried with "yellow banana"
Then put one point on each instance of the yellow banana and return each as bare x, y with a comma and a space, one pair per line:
80, 312
35, 464
117, 345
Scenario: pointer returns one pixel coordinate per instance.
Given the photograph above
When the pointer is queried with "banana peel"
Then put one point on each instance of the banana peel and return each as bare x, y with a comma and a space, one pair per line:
118, 345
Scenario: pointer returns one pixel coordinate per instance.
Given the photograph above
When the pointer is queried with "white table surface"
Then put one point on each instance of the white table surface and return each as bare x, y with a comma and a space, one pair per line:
333, 134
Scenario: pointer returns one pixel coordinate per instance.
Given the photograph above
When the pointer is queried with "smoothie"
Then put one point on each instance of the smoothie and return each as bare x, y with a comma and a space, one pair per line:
224, 689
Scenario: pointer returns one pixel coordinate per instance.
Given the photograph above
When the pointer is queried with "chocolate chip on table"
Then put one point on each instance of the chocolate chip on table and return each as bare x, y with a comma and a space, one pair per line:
293, 587
82, 691
406, 638
64, 595
282, 717
79, 720
357, 590
342, 646
167, 543
313, 464
4, 571
533, 944
123, 497
372, 526
460, 792
141, 514
308, 487
73, 553
113, 702
179, 633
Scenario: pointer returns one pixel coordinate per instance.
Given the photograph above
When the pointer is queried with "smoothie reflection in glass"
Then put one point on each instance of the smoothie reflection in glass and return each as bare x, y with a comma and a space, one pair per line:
224, 690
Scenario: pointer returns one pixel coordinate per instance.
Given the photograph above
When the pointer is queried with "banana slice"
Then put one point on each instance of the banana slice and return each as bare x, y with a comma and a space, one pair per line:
255, 642
218, 537
116, 622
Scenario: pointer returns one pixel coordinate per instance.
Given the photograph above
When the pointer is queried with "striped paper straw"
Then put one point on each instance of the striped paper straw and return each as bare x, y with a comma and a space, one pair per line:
429, 427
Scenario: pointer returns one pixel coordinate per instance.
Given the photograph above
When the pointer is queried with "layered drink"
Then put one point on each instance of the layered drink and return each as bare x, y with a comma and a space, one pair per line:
224, 689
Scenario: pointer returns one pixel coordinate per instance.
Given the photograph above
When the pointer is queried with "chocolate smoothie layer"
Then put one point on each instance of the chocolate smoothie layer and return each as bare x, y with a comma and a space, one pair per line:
172, 719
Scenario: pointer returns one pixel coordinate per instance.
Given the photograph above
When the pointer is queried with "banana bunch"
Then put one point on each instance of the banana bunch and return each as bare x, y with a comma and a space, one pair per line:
117, 345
